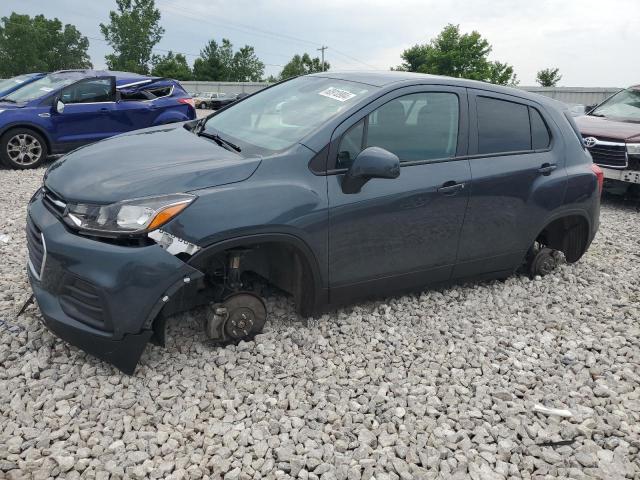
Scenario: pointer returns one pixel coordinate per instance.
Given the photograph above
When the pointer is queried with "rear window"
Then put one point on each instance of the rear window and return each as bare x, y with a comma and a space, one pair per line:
505, 126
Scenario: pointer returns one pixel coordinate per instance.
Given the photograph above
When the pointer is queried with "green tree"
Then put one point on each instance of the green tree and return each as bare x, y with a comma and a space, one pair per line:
133, 30
219, 62
39, 44
171, 66
303, 65
246, 66
548, 77
215, 61
502, 74
457, 55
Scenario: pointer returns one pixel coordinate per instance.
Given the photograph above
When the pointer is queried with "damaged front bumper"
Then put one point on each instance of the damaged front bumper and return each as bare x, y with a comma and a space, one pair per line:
98, 296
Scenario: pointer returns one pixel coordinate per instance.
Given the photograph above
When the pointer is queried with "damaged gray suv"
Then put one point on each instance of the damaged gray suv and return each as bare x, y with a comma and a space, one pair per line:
331, 187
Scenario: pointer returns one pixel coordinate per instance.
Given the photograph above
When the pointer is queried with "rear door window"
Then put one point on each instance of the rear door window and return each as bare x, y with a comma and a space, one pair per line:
503, 126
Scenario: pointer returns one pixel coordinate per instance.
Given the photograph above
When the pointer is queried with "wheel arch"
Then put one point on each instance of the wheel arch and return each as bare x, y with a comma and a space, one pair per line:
308, 298
31, 126
568, 231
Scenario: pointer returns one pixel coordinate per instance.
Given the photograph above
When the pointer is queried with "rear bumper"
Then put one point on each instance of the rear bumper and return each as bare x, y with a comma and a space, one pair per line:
101, 297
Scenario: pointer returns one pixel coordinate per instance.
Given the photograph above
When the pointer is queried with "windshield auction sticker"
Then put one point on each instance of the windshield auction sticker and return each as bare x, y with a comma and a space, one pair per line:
337, 94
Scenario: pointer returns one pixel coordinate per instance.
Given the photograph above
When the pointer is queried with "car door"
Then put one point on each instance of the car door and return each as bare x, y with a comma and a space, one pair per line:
516, 156
403, 232
88, 113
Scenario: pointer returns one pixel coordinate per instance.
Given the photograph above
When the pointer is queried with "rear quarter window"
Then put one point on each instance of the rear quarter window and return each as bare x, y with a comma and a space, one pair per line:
540, 137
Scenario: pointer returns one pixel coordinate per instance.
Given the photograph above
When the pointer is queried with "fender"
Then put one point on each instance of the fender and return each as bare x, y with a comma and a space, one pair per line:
568, 213
320, 294
563, 213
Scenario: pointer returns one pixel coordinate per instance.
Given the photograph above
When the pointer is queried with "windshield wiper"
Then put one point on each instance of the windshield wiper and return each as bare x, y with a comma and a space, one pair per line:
596, 115
7, 100
219, 140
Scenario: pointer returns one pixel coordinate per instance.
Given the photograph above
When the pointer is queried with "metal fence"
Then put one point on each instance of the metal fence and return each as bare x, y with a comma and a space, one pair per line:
223, 87
574, 95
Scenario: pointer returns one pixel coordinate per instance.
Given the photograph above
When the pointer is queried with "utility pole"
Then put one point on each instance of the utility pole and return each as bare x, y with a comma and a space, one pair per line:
323, 48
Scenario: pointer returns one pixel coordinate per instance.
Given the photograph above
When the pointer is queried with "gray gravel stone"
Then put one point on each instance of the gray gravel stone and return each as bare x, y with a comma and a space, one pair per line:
438, 384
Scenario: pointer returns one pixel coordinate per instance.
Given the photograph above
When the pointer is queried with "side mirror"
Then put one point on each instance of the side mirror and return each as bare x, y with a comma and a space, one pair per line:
59, 105
118, 95
372, 162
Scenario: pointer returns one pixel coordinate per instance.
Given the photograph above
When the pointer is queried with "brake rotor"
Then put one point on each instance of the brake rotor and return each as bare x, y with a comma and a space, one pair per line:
246, 316
543, 263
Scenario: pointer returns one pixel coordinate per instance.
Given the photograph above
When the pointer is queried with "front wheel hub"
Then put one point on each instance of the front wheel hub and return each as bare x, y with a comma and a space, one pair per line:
543, 263
239, 317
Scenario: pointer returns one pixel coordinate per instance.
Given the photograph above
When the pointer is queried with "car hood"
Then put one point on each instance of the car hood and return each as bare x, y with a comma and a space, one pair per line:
606, 127
152, 161
10, 106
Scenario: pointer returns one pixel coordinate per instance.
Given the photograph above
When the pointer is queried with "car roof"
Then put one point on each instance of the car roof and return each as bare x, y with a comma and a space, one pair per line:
399, 78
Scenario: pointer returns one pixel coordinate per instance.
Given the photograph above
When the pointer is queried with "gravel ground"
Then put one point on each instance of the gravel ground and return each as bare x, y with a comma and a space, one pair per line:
203, 113
436, 385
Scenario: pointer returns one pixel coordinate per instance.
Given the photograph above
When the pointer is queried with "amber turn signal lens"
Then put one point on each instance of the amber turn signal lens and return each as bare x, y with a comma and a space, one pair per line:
166, 214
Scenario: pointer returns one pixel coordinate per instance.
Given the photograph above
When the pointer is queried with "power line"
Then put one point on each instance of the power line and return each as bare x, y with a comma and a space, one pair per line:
157, 50
256, 31
176, 9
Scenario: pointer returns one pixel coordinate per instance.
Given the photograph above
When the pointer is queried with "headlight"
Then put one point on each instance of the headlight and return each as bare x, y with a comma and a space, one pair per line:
633, 148
129, 216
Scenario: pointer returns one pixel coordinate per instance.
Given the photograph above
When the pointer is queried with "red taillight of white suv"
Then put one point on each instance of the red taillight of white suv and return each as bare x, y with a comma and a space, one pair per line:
187, 101
599, 175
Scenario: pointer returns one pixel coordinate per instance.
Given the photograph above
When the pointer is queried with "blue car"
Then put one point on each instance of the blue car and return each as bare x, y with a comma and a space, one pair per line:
68, 109
12, 84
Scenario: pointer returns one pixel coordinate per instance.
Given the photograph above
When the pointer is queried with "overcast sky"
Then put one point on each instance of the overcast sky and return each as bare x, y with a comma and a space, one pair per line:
593, 42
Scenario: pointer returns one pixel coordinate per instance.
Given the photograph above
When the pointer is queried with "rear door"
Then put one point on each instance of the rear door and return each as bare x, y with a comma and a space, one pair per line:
517, 166
88, 113
403, 232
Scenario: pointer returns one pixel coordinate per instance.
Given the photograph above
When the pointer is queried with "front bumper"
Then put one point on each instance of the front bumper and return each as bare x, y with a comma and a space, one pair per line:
98, 296
629, 176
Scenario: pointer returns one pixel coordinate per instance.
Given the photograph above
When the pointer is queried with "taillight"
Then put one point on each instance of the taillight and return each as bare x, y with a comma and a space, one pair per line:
599, 175
187, 101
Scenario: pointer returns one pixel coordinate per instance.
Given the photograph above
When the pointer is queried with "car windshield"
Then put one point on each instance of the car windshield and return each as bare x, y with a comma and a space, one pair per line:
12, 82
624, 105
278, 117
41, 87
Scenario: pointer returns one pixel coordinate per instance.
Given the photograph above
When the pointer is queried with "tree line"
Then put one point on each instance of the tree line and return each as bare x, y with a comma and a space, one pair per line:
29, 44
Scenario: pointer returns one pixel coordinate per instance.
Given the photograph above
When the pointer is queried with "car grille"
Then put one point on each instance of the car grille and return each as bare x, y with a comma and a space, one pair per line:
53, 202
81, 301
37, 249
609, 154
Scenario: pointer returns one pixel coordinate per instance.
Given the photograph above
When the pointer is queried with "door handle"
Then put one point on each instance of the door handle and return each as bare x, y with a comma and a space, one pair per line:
450, 188
547, 168
104, 110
